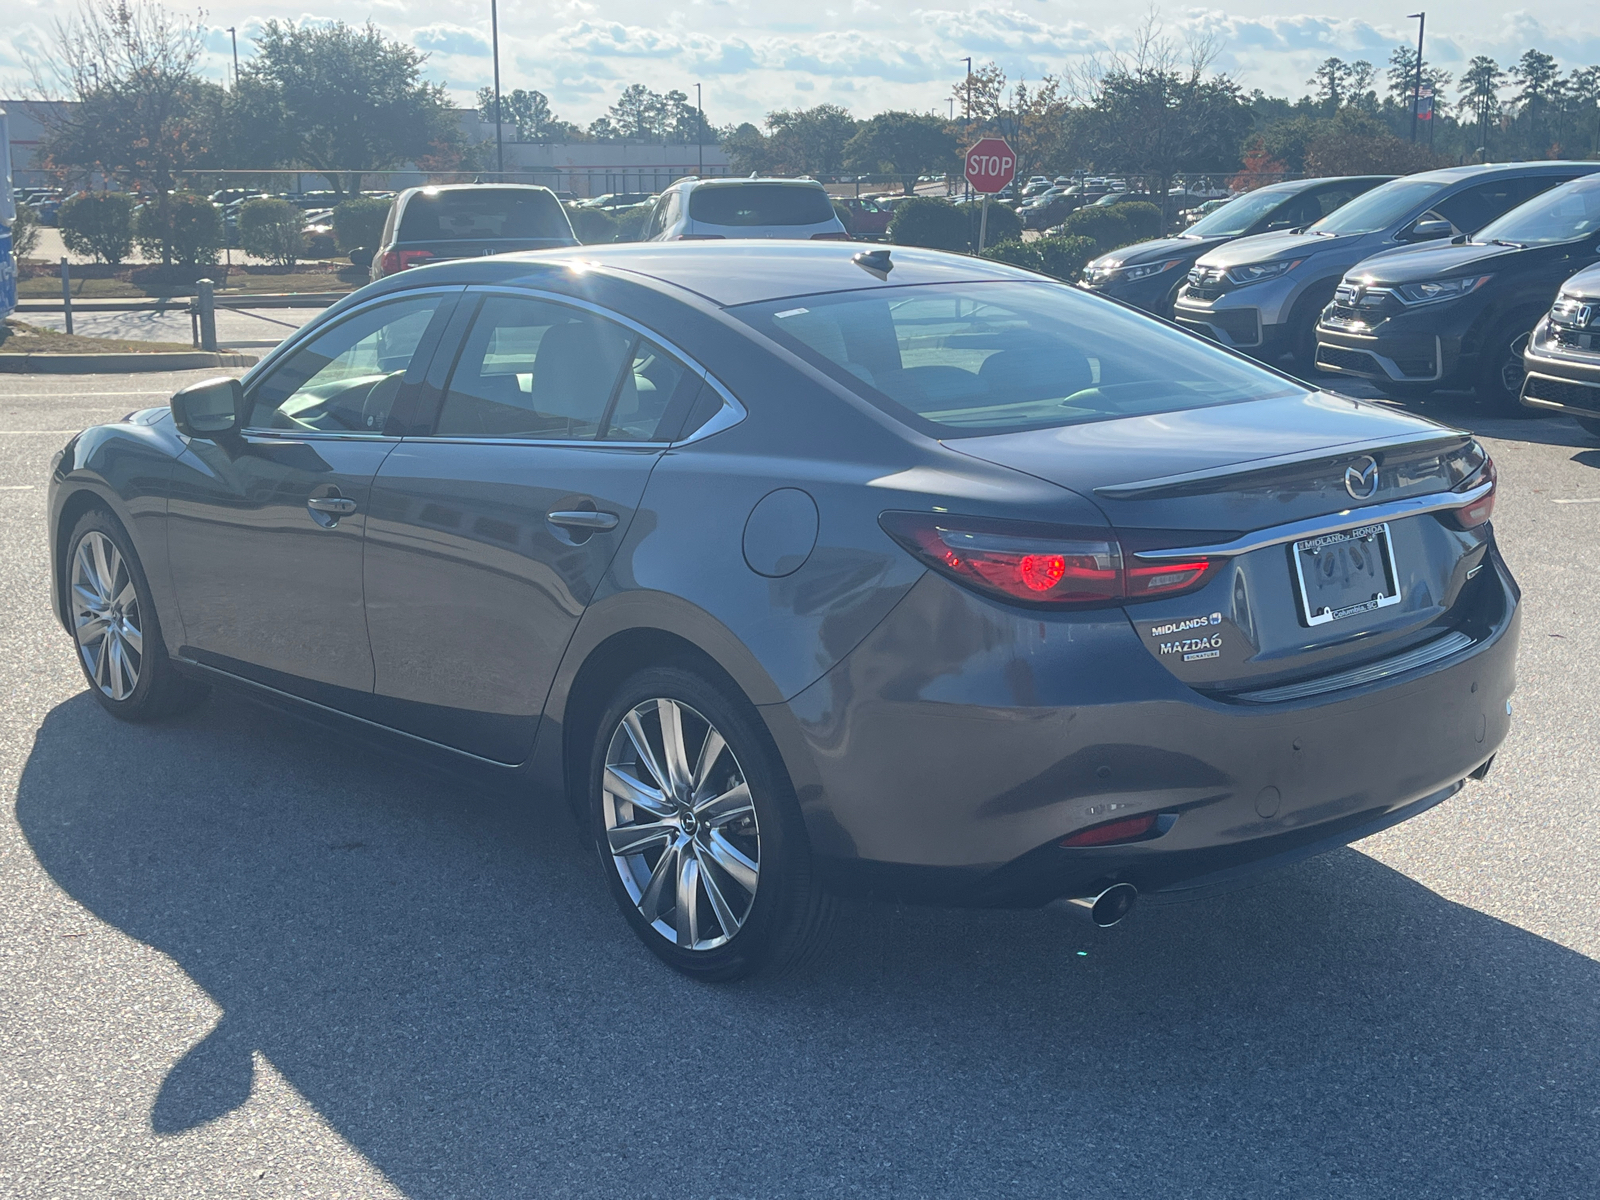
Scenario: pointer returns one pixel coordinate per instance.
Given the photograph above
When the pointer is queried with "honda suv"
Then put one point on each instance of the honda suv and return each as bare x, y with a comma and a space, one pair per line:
1263, 294
1563, 355
1459, 315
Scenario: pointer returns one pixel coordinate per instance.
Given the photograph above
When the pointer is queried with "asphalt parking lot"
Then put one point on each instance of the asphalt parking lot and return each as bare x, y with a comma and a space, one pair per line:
244, 956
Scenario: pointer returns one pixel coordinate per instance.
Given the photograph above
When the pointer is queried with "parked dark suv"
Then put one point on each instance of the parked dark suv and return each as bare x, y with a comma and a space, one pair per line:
1563, 355
434, 224
1148, 275
1460, 314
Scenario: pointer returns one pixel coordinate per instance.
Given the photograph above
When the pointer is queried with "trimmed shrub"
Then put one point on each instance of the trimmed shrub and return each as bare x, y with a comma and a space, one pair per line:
846, 217
1004, 224
1107, 227
631, 222
927, 221
272, 229
190, 236
99, 224
593, 226
24, 233
1018, 253
1065, 257
1144, 219
358, 222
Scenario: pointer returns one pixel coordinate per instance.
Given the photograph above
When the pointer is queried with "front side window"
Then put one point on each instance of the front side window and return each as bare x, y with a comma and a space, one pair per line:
346, 378
967, 359
1380, 208
1237, 215
1562, 214
1473, 208
536, 369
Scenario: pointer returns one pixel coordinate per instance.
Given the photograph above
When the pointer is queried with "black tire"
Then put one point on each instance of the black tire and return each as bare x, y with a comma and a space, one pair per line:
786, 915
1303, 328
1500, 369
1589, 426
115, 657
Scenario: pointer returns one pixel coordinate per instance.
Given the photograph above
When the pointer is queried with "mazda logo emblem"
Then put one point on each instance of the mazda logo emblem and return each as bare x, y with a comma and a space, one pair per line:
1361, 478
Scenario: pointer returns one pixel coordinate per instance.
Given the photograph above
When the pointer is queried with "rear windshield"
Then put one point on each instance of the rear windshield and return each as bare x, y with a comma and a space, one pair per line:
977, 358
1379, 208
1559, 215
483, 213
1237, 215
760, 204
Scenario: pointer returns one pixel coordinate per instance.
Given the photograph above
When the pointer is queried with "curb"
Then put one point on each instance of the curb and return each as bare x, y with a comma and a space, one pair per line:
116, 364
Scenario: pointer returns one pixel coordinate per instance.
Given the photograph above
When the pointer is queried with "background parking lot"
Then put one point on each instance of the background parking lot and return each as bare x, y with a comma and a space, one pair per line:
241, 955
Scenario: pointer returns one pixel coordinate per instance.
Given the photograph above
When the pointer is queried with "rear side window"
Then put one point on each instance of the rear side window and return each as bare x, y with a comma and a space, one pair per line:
760, 204
481, 214
542, 371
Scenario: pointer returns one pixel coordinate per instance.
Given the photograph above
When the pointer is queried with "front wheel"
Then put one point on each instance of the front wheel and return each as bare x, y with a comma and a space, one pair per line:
1502, 371
698, 832
115, 627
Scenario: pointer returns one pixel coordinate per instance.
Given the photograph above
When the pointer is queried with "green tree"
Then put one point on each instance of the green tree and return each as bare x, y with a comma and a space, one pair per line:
187, 230
901, 143
1538, 79
334, 98
358, 223
639, 114
980, 96
1480, 94
1332, 81
809, 141
142, 114
527, 115
928, 221
24, 232
749, 150
273, 230
98, 224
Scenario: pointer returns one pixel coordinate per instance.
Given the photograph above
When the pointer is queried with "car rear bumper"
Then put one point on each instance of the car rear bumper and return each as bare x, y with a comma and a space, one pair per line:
946, 757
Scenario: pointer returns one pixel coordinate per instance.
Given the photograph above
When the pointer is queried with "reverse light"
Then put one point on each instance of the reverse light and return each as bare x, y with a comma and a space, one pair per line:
1480, 510
1058, 566
1128, 829
400, 260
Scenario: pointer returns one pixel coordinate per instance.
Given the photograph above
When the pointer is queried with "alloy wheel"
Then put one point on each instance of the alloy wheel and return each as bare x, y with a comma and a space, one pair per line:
680, 825
105, 616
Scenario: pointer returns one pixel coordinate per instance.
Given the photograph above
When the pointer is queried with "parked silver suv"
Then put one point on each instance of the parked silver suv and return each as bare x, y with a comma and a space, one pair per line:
1263, 294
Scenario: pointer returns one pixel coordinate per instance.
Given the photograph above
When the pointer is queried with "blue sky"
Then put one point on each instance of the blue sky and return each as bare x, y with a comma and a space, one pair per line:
865, 54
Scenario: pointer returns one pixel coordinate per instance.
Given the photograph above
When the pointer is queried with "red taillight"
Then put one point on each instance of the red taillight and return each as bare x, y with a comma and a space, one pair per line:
830, 237
399, 260
702, 237
1481, 509
1039, 564
1129, 829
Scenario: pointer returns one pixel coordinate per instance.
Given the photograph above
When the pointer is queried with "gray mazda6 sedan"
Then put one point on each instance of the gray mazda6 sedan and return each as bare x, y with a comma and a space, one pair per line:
802, 571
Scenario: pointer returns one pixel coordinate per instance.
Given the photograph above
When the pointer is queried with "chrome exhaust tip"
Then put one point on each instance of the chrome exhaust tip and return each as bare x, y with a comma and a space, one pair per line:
1105, 909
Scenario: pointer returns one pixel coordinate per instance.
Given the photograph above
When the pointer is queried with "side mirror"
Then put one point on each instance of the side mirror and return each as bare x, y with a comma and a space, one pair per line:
212, 409
1426, 231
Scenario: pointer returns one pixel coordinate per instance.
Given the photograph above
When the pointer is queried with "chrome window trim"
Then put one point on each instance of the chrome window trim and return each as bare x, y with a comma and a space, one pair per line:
1348, 518
729, 415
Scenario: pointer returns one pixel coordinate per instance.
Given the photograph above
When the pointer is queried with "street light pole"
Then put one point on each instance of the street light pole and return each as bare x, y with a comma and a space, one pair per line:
968, 118
235, 36
700, 129
499, 143
1421, 18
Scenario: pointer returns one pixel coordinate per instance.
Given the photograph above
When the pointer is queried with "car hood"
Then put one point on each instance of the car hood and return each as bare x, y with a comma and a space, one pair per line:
1585, 284
1409, 264
1160, 249
1266, 247
1227, 467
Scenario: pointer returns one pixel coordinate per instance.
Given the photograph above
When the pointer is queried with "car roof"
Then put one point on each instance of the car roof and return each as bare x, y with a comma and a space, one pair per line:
1449, 175
724, 181
743, 271
472, 187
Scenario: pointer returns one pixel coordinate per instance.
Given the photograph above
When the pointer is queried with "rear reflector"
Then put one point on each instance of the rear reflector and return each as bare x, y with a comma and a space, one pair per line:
830, 237
1129, 829
1060, 566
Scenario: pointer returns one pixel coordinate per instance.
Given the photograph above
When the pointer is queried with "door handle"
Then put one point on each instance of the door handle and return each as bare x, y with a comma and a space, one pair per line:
337, 506
585, 520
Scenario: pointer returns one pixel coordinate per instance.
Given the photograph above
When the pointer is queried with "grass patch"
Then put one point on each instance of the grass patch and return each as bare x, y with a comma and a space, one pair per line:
18, 337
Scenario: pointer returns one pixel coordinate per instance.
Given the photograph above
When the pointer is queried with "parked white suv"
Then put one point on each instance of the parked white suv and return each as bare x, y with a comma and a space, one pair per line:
707, 209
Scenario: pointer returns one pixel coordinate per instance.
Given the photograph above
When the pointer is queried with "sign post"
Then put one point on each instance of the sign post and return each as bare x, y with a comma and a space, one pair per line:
990, 165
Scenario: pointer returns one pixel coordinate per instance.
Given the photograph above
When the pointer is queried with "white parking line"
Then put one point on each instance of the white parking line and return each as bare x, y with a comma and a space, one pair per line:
1577, 500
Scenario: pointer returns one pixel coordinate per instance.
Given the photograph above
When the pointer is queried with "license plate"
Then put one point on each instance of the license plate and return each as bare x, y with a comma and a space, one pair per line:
1345, 574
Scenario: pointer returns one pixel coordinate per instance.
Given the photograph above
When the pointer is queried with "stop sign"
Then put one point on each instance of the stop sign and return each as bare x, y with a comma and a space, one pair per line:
991, 164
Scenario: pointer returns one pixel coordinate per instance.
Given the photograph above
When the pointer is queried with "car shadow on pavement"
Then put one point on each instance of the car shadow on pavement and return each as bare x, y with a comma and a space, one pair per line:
439, 970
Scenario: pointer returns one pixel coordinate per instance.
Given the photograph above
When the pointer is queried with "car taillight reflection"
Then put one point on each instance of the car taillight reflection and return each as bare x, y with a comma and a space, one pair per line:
1039, 564
400, 260
1480, 510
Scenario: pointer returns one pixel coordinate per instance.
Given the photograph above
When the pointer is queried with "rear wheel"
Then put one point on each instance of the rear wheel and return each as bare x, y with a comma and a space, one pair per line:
115, 626
698, 832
